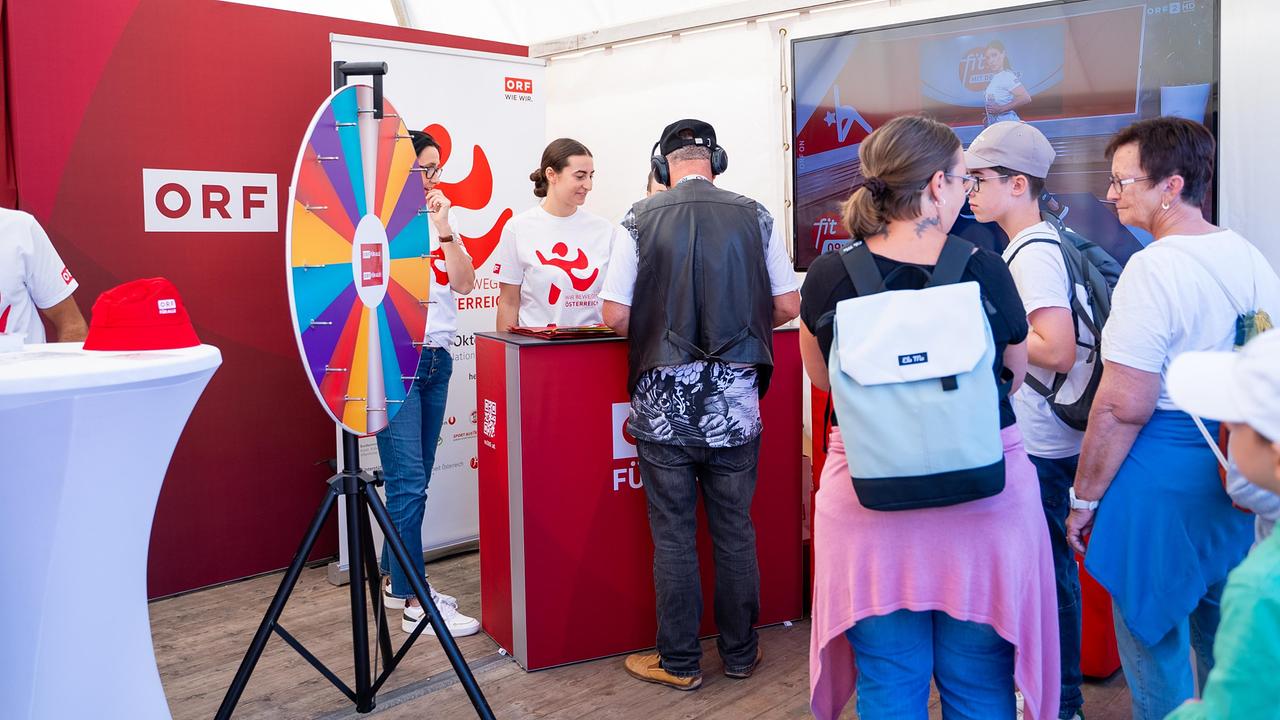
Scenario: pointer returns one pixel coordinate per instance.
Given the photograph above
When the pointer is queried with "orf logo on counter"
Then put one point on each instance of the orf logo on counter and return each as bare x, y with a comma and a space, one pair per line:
624, 446
208, 201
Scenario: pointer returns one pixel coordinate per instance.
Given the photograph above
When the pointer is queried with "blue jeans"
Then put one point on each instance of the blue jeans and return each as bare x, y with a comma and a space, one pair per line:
672, 476
1056, 478
1159, 676
897, 653
408, 451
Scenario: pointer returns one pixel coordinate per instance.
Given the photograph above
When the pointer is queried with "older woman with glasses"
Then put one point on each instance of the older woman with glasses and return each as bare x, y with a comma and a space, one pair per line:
1164, 533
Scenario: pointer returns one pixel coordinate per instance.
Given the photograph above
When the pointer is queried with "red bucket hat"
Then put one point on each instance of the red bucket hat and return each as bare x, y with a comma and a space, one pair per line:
140, 315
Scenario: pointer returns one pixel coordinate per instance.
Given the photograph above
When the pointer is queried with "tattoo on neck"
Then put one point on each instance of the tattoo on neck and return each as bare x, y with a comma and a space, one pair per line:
925, 224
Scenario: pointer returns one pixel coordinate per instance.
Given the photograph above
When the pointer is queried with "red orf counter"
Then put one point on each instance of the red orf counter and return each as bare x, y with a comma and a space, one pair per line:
566, 559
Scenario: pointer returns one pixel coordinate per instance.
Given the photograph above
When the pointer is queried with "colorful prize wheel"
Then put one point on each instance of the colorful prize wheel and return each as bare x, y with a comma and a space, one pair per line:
357, 244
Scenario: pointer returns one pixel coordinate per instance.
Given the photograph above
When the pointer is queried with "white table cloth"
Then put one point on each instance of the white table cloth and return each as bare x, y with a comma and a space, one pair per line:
85, 440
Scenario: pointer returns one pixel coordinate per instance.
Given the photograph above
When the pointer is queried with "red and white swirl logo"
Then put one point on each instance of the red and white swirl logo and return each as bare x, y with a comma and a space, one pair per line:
474, 192
624, 446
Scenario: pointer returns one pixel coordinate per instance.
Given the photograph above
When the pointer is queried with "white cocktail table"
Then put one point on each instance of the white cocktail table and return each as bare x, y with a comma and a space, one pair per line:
85, 440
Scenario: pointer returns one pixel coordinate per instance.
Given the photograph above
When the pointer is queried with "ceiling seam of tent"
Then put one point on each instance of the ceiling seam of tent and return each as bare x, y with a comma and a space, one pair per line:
686, 23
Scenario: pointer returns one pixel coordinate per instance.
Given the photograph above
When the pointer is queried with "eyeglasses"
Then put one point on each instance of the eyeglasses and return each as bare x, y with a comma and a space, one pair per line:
979, 179
431, 172
968, 183
1119, 185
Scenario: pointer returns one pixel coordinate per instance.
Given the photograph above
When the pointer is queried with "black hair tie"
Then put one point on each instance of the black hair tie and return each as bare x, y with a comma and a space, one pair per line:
878, 188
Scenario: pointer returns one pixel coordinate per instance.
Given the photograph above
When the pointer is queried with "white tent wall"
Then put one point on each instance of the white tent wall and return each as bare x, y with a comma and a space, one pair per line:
617, 101
1250, 145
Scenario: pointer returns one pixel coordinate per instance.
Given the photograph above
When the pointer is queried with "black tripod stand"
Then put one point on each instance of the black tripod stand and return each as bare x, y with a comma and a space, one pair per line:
361, 493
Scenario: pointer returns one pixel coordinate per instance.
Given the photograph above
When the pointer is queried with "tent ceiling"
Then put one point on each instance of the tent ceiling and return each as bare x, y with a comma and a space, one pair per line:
513, 21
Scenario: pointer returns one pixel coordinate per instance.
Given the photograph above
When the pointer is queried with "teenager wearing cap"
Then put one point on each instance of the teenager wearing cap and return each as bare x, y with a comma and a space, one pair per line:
1009, 162
551, 259
698, 280
1164, 534
407, 447
1242, 390
34, 282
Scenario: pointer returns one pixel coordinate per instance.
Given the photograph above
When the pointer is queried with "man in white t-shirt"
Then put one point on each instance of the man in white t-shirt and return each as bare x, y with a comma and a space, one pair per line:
1010, 161
698, 280
34, 282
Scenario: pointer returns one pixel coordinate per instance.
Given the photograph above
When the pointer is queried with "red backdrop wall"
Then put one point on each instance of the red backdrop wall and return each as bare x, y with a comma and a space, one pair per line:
98, 91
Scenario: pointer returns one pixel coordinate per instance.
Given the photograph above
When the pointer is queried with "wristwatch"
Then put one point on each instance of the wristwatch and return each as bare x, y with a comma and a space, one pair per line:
446, 238
1078, 504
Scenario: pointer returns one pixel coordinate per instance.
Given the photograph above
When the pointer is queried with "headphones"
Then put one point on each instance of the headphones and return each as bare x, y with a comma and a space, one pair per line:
662, 171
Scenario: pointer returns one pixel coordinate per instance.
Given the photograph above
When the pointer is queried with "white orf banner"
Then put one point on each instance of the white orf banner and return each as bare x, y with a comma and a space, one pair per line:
488, 115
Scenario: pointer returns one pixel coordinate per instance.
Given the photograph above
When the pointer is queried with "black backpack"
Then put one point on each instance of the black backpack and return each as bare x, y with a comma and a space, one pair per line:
1090, 266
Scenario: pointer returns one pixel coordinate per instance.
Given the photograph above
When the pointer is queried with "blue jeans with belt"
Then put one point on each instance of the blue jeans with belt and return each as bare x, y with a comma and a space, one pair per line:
1056, 477
408, 451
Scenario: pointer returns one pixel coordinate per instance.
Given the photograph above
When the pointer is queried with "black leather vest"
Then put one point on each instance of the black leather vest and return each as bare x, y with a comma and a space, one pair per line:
702, 286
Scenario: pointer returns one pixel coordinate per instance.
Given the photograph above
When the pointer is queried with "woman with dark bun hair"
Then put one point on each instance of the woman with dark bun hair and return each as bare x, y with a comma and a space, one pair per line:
963, 593
551, 259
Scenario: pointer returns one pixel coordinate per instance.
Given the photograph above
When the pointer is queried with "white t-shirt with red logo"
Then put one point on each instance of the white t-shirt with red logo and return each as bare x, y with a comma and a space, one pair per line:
559, 264
32, 275
442, 304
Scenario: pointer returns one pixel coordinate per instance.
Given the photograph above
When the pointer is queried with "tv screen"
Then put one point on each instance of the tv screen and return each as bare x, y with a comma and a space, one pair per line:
1090, 67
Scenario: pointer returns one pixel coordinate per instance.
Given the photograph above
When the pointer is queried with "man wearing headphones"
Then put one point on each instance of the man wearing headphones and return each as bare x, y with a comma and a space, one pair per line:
698, 282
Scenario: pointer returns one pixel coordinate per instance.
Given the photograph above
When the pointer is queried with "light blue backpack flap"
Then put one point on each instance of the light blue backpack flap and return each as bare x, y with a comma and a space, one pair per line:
917, 401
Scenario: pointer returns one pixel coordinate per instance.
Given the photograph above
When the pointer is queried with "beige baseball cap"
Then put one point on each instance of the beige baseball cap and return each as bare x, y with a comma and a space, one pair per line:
1012, 144
1241, 387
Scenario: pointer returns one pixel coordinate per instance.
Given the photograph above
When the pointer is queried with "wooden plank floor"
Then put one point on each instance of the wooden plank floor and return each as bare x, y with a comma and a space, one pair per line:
201, 637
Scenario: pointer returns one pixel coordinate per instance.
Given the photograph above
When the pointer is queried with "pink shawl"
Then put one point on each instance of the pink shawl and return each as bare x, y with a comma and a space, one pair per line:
985, 561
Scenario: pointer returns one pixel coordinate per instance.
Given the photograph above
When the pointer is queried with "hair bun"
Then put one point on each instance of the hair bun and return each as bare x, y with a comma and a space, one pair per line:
878, 188
536, 175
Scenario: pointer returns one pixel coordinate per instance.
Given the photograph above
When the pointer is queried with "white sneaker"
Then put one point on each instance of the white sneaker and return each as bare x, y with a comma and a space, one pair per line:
1020, 702
391, 602
459, 625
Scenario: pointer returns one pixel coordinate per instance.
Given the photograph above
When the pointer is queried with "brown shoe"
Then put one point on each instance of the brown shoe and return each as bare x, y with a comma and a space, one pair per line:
744, 674
649, 668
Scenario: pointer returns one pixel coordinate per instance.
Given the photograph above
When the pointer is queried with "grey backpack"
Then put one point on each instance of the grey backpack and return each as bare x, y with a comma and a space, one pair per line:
1090, 267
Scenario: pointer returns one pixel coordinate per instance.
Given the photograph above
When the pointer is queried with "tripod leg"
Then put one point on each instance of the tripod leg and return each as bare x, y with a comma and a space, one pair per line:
447, 642
375, 589
277, 606
359, 620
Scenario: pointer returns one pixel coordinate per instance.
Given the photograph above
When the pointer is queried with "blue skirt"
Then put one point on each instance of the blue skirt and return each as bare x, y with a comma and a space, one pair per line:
1166, 531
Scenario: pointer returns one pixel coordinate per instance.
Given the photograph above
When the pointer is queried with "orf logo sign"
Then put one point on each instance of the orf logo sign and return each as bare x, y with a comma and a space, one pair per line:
624, 446
205, 201
518, 85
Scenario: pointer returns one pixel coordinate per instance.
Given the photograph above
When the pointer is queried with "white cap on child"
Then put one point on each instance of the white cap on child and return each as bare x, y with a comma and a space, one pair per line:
1241, 387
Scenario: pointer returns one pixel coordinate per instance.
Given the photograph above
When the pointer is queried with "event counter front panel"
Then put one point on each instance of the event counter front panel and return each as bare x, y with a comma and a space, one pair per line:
566, 559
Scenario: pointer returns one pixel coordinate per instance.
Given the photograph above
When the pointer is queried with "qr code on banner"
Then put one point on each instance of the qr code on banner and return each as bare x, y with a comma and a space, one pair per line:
490, 418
